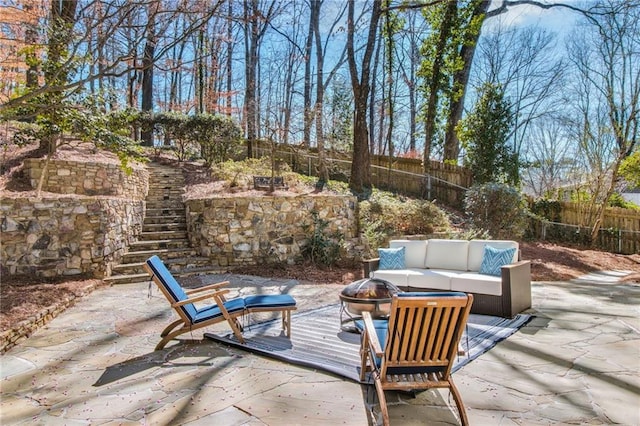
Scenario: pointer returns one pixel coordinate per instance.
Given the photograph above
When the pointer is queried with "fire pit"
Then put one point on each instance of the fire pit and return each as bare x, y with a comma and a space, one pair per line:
371, 295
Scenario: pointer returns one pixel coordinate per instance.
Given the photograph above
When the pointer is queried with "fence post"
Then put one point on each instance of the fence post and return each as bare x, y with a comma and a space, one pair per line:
619, 240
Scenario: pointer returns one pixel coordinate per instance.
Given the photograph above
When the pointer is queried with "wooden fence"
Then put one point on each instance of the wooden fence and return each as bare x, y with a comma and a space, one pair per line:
445, 182
619, 232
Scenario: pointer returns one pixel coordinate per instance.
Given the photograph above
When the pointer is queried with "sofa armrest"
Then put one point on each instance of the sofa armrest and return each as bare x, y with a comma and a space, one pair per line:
370, 265
516, 287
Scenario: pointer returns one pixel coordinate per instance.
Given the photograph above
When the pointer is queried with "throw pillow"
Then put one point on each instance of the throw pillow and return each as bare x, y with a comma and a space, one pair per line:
494, 258
391, 258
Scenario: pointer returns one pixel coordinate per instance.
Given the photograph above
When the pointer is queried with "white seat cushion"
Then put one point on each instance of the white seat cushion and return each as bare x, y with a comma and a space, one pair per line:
447, 254
396, 277
428, 278
476, 251
473, 282
415, 252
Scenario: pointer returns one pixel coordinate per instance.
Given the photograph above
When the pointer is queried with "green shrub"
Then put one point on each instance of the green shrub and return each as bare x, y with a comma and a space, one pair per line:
616, 200
384, 215
321, 247
498, 209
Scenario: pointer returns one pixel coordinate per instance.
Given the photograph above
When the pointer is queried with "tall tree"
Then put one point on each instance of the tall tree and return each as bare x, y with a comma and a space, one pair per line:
148, 63
360, 179
607, 62
461, 72
442, 18
256, 22
484, 134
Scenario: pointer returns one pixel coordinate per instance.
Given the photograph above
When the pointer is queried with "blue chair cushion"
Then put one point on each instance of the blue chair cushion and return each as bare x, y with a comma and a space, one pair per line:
269, 301
382, 330
171, 285
213, 311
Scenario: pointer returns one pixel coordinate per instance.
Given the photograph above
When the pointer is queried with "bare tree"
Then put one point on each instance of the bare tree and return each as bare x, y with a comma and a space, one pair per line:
256, 22
606, 57
552, 158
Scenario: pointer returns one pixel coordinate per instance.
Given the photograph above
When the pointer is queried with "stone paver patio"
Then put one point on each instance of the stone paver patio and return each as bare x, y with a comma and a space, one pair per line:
577, 362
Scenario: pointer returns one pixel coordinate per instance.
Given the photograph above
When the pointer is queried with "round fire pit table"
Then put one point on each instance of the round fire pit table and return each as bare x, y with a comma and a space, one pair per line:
370, 294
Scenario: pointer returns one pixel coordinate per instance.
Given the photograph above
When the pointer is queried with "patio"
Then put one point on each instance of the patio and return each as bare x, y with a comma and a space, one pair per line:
576, 362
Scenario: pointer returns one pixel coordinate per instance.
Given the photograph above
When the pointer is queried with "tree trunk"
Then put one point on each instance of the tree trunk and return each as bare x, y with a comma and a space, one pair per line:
147, 70
56, 73
251, 60
460, 80
308, 113
434, 80
323, 172
360, 179
31, 39
229, 58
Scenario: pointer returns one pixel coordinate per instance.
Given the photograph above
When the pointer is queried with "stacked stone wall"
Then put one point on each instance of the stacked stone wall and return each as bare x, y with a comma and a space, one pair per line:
88, 178
247, 231
67, 235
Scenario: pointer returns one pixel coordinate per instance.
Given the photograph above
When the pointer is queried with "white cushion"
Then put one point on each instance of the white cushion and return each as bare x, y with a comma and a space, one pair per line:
396, 277
447, 254
472, 282
476, 250
415, 252
429, 278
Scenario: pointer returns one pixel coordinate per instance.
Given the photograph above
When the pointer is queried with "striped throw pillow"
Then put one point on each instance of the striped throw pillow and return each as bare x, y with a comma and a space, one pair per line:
391, 258
493, 259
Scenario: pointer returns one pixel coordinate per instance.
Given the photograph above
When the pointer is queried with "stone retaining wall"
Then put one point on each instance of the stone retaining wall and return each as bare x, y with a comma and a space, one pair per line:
66, 235
87, 178
248, 231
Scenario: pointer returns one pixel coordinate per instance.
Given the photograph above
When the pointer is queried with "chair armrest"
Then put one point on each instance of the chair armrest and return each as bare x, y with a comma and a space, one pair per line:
516, 287
199, 298
372, 336
370, 265
207, 287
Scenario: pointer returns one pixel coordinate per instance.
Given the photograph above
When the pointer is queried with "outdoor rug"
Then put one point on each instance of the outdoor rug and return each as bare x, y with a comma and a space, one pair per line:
317, 340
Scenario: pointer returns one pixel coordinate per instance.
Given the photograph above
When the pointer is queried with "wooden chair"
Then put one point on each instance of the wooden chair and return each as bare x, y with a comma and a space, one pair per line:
192, 318
415, 349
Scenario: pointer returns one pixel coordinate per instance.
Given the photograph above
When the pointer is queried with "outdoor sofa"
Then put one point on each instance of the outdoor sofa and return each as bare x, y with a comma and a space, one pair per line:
491, 270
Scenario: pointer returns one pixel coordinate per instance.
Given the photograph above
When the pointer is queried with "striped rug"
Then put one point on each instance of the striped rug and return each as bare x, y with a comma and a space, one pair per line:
318, 341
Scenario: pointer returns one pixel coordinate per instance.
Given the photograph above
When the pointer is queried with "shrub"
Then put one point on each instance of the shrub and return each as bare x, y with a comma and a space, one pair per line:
498, 209
321, 247
384, 215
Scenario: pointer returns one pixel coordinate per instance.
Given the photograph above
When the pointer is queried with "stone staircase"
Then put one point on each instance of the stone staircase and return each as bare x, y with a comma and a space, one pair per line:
164, 232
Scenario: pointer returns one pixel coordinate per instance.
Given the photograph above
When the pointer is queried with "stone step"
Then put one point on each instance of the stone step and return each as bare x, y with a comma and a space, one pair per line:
165, 204
173, 263
159, 244
166, 226
166, 212
166, 219
163, 235
165, 254
160, 199
145, 278
175, 190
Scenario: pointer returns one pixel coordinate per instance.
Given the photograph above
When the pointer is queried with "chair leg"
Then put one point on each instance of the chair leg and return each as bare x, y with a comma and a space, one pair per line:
382, 400
364, 356
170, 327
169, 337
286, 322
458, 399
236, 327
